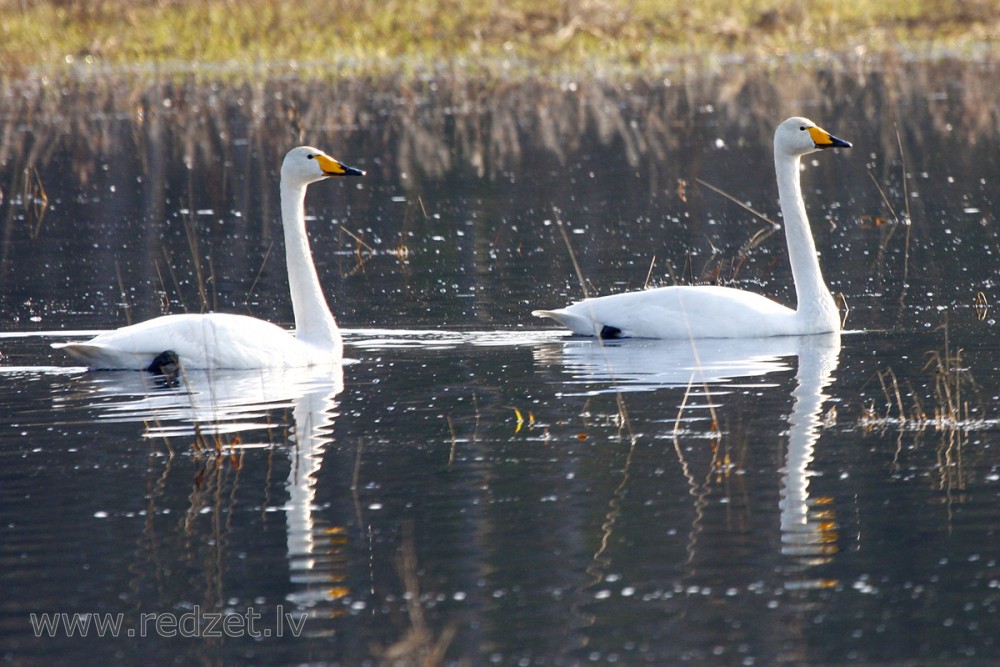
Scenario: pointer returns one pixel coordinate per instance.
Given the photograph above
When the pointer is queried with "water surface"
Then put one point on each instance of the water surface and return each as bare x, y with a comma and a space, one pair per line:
476, 484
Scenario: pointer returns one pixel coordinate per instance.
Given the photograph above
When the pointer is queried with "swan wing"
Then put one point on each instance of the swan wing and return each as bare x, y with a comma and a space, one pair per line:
677, 312
201, 341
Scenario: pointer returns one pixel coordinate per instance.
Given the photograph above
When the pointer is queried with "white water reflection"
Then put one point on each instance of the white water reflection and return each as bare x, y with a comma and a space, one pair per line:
227, 403
206, 402
387, 339
313, 415
647, 365
804, 535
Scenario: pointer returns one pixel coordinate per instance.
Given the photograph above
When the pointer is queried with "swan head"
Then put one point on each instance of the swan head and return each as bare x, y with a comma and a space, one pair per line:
800, 136
305, 165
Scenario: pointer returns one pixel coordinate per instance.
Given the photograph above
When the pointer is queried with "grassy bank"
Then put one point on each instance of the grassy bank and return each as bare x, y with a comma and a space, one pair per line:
360, 35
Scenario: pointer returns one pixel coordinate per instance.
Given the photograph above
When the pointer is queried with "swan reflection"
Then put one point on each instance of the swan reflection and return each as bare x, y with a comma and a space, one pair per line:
646, 365
243, 403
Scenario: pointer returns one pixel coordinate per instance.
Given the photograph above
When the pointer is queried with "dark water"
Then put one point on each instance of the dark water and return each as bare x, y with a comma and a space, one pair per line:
477, 488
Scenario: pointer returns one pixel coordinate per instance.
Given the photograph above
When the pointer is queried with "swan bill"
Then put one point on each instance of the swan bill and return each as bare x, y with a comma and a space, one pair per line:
333, 167
824, 139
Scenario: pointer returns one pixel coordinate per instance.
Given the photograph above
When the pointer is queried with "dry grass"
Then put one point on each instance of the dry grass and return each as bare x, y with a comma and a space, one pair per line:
395, 35
954, 403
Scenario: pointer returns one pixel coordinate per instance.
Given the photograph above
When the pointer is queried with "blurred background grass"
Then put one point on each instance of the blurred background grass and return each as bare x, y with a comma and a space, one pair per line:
393, 35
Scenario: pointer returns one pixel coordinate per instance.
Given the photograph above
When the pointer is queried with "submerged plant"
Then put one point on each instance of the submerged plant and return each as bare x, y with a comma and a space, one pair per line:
955, 402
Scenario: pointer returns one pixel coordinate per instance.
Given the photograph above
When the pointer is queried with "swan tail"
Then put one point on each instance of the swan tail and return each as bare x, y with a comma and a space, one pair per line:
581, 326
94, 355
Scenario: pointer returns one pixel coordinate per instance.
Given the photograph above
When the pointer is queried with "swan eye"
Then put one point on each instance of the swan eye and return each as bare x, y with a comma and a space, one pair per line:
312, 157
801, 127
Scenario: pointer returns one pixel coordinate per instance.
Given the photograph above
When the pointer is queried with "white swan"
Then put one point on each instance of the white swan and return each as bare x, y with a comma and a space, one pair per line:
724, 312
218, 340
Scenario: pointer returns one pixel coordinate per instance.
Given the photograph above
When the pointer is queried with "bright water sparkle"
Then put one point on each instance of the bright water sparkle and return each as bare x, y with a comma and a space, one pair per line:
476, 481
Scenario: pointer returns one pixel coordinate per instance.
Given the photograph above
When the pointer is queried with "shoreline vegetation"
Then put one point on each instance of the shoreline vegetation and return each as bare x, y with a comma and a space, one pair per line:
492, 38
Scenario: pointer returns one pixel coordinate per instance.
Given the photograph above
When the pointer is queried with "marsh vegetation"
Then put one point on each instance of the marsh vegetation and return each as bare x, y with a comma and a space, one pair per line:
479, 488
351, 38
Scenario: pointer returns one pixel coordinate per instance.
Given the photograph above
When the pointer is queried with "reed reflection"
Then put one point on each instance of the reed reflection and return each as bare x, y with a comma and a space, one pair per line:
708, 369
218, 419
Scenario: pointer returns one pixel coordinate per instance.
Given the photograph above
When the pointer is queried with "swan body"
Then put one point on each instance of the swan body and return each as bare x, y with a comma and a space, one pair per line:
228, 341
724, 312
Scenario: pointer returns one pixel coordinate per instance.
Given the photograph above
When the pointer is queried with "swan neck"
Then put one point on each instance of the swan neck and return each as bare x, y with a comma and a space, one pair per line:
314, 324
815, 305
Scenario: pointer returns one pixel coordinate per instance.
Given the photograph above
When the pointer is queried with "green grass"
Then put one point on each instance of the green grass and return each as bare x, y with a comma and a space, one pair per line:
394, 35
